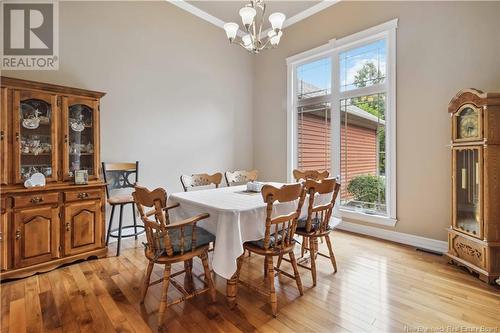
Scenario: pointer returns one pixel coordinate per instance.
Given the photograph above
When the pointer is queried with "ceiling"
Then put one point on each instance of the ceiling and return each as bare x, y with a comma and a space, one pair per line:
227, 11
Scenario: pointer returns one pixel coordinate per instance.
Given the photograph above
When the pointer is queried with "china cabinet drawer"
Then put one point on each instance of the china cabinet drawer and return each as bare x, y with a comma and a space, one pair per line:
82, 195
36, 200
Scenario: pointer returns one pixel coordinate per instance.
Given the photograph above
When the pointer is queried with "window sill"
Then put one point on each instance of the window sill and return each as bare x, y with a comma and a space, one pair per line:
369, 218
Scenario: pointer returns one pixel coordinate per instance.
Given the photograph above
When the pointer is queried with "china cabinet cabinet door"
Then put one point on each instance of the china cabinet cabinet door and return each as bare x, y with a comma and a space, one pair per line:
80, 136
4, 144
83, 228
35, 135
36, 235
4, 233
467, 190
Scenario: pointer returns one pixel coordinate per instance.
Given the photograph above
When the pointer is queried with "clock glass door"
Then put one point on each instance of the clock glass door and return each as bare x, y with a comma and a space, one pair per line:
468, 123
467, 196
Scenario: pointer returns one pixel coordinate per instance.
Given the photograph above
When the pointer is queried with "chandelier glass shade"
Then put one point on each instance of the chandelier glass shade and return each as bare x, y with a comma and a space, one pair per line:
254, 40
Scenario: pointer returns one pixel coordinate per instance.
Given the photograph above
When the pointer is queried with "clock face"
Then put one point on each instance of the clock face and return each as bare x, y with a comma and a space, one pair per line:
469, 127
468, 124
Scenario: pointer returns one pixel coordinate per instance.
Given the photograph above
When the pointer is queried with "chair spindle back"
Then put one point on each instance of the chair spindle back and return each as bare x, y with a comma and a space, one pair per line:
310, 174
282, 227
156, 201
160, 228
324, 211
201, 179
240, 177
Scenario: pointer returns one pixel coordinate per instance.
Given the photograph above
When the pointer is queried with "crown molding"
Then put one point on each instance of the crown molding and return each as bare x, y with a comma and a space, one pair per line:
219, 23
197, 12
201, 14
309, 11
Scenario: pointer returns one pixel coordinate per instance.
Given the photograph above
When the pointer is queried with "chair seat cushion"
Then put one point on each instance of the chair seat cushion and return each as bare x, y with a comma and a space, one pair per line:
120, 199
272, 241
315, 223
301, 223
203, 238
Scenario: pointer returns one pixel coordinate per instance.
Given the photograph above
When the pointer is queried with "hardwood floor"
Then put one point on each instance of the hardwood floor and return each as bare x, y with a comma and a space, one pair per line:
380, 287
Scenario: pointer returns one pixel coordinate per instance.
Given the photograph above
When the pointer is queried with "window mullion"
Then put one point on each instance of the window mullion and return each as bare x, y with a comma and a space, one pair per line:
313, 100
371, 90
335, 127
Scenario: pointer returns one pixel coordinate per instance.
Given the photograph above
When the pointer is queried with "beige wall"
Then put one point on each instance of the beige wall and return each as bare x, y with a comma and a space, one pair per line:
179, 97
442, 47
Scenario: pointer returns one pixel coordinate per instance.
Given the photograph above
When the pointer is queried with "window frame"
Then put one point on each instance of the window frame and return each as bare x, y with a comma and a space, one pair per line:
333, 49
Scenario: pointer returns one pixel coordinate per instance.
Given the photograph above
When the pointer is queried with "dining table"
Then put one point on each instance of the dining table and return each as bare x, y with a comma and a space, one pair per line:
236, 216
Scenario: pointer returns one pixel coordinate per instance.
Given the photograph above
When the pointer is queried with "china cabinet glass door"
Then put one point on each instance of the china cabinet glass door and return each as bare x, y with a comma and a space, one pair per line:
80, 137
35, 138
467, 195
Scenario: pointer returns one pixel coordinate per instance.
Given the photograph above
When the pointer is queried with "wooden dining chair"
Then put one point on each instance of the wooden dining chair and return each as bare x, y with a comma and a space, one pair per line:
240, 177
302, 175
201, 179
119, 176
169, 243
278, 241
317, 223
310, 174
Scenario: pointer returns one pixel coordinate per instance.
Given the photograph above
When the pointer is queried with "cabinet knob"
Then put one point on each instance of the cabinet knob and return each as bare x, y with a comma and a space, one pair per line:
17, 136
36, 200
66, 138
1, 135
83, 195
68, 227
18, 234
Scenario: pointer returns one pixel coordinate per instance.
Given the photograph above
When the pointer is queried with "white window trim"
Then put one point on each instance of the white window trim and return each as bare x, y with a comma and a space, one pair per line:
385, 30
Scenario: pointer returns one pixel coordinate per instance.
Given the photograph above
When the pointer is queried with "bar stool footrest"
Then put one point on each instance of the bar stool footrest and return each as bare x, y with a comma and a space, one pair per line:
115, 231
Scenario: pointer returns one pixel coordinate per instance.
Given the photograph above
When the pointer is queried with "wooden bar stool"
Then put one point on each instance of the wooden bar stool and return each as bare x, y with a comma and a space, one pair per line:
117, 176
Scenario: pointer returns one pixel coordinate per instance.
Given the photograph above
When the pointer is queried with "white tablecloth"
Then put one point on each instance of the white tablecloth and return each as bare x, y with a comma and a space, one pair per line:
235, 217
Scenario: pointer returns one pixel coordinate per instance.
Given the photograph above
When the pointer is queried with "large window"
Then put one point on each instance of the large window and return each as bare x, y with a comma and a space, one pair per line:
341, 108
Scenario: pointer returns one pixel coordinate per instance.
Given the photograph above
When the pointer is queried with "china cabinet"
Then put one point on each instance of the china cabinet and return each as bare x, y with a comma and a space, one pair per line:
474, 235
52, 130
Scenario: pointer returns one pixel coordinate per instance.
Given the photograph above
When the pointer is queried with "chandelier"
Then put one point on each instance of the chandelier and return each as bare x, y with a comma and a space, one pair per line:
252, 41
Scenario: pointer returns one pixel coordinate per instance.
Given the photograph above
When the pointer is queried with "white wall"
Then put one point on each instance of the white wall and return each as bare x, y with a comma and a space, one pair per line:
179, 97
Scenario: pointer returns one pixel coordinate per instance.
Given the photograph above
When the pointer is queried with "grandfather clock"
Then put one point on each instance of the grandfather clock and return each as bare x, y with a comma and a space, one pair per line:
474, 234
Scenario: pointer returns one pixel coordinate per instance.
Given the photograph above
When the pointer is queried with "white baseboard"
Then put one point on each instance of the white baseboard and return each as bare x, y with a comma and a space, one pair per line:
394, 236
